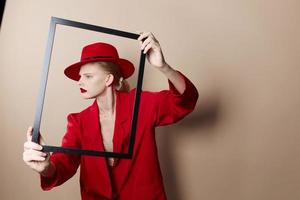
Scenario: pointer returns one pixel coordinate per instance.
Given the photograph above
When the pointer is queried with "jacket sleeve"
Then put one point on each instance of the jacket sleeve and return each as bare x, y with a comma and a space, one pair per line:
66, 164
171, 106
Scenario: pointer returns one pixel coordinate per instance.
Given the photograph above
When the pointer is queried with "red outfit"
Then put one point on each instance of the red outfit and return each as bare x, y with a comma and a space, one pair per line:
129, 179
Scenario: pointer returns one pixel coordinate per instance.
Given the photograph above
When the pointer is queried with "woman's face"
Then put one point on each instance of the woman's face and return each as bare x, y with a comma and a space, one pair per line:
93, 80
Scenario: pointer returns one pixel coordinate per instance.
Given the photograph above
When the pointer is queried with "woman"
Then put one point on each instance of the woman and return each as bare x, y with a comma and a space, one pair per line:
105, 126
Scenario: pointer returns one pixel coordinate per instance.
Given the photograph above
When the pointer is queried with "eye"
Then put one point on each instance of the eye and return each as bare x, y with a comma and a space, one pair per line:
88, 76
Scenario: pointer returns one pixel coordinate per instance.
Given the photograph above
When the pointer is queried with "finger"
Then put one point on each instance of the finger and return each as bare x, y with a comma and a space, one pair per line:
149, 46
37, 153
146, 42
144, 35
139, 38
29, 133
31, 158
28, 156
147, 34
32, 145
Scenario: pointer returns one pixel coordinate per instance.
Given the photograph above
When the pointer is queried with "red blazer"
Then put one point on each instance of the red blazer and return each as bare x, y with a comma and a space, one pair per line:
134, 179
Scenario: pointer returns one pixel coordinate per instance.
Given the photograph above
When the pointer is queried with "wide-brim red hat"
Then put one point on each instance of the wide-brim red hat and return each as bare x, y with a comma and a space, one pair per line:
99, 52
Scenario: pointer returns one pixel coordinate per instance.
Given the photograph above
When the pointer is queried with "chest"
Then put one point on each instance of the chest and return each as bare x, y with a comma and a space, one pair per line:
107, 126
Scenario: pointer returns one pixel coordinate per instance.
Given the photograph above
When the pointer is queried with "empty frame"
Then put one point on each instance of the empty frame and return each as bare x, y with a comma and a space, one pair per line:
43, 85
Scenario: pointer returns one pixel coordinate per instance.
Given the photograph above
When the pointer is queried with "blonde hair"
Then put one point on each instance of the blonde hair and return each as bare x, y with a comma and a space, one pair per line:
112, 68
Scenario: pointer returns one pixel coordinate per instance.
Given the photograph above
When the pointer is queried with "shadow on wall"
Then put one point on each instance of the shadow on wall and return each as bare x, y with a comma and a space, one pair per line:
205, 116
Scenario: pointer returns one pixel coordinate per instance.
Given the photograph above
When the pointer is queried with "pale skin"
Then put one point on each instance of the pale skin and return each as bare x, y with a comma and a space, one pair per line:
99, 84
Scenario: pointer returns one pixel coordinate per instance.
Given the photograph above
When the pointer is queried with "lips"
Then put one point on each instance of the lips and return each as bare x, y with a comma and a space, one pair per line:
82, 90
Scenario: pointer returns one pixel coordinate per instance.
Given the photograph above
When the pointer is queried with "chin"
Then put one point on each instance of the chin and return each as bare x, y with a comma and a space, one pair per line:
88, 97
85, 96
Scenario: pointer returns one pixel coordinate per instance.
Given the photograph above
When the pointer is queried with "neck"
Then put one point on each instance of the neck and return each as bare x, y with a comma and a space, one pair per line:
106, 102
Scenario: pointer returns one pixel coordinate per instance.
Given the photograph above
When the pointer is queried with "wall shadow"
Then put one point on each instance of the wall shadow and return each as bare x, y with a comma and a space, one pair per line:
205, 116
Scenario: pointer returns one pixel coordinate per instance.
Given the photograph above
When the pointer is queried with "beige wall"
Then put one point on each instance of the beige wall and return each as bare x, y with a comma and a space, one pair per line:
241, 142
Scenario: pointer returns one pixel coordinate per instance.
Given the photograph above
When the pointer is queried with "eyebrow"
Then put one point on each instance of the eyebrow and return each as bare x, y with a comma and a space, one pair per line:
87, 73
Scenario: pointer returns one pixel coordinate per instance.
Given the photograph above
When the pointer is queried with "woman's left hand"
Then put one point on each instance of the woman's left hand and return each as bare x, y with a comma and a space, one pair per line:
151, 47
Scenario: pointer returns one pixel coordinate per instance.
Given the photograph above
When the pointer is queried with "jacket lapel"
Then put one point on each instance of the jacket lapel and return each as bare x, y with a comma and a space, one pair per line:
121, 129
124, 108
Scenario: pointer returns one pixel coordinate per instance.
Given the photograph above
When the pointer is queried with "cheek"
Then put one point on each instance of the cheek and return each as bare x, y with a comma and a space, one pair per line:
97, 86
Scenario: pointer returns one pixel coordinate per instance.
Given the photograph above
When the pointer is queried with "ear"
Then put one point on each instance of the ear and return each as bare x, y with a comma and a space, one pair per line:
109, 80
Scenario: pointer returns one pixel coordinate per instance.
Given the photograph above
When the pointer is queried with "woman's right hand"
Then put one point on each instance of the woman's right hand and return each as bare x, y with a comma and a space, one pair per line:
33, 156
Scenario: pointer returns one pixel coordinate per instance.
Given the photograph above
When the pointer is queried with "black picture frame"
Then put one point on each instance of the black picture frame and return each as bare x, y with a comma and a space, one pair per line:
43, 84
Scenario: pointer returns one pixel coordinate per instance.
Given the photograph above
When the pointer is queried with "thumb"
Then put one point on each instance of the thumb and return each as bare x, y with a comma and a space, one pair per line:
29, 133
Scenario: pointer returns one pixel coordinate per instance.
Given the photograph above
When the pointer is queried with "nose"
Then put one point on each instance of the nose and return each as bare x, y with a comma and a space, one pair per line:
79, 82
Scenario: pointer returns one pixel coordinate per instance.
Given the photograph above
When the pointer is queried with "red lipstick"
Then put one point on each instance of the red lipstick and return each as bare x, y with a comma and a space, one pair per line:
82, 90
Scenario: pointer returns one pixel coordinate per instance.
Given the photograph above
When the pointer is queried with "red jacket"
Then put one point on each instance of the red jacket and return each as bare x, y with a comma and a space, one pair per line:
135, 179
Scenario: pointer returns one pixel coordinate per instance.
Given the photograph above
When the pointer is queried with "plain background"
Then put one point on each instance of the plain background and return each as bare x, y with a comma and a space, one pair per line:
242, 140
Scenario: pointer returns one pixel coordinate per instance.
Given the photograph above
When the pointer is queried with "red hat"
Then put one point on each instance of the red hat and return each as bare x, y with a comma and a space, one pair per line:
99, 52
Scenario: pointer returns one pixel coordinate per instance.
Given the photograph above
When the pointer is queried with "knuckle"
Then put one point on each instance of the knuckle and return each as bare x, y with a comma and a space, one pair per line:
31, 151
